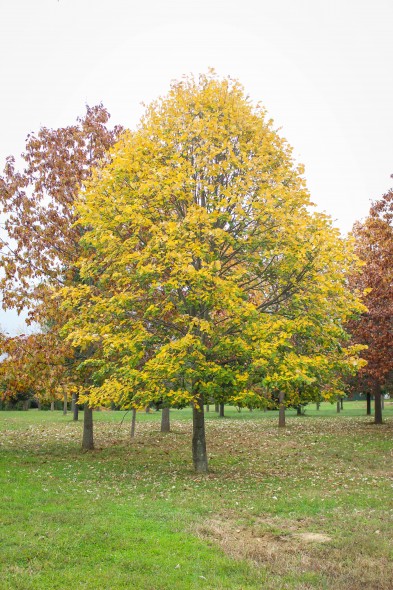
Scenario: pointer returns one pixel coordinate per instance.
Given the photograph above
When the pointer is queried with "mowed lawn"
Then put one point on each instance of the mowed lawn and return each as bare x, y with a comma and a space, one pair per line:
310, 506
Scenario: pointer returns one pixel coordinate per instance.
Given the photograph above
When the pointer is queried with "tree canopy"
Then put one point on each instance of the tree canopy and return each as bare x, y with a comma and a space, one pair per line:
205, 272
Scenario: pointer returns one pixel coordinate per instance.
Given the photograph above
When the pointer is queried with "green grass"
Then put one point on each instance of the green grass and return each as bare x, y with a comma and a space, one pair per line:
133, 515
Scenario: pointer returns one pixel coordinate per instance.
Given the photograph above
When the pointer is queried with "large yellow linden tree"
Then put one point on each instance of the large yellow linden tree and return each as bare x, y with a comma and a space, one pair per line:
205, 273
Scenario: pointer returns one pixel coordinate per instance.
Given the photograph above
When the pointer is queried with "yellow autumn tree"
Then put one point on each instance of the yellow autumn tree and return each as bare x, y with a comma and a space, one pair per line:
203, 260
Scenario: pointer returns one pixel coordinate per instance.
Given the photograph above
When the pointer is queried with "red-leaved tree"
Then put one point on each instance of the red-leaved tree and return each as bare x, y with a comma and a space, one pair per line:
40, 243
374, 245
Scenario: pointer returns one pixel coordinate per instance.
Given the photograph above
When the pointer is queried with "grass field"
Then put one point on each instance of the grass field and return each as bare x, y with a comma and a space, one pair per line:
310, 506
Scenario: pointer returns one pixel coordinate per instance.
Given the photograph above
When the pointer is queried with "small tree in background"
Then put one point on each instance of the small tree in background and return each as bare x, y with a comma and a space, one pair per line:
42, 243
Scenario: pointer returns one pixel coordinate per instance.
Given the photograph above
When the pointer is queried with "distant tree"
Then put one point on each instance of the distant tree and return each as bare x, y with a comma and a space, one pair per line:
374, 245
42, 241
34, 364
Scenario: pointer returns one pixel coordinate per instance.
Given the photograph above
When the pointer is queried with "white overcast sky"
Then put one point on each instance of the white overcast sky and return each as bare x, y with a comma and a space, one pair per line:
322, 68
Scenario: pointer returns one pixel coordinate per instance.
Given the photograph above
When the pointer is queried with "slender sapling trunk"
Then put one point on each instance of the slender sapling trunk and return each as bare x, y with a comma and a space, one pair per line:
165, 420
133, 423
199, 454
88, 439
281, 410
74, 407
377, 404
368, 400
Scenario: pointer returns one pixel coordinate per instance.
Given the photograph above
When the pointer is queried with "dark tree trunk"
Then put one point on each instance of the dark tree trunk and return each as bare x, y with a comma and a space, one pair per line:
281, 410
377, 404
74, 407
26, 404
217, 407
250, 408
52, 406
368, 400
165, 420
342, 403
299, 410
88, 439
207, 408
221, 413
65, 400
133, 423
318, 405
338, 406
199, 454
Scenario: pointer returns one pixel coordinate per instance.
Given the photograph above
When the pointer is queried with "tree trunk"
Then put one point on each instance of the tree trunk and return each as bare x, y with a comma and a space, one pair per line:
318, 405
65, 400
52, 406
368, 398
281, 410
199, 455
217, 407
88, 439
26, 404
221, 413
133, 423
207, 408
377, 404
338, 406
299, 410
74, 407
342, 403
165, 420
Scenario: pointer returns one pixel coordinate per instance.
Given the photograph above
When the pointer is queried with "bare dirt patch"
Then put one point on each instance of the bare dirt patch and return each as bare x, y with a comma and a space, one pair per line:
282, 547
259, 544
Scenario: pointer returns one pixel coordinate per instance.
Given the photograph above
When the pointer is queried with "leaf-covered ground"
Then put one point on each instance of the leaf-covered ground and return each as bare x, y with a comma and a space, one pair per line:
310, 506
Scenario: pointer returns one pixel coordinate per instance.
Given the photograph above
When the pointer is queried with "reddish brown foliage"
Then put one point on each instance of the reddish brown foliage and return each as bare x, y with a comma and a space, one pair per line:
42, 241
374, 240
38, 203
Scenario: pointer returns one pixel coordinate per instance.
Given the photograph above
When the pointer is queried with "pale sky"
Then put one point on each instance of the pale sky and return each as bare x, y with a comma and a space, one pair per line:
323, 69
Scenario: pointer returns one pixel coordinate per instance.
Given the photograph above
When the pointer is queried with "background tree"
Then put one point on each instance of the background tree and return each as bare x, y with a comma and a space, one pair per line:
201, 257
374, 245
28, 367
37, 203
